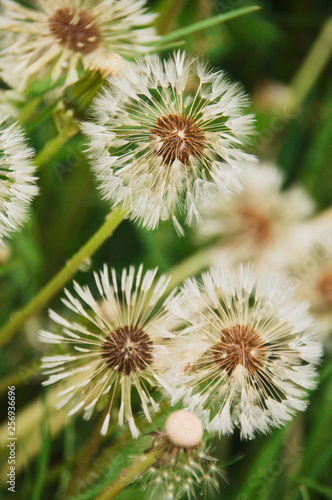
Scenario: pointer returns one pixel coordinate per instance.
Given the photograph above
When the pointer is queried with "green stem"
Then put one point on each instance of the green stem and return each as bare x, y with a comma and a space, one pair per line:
313, 65
206, 24
83, 468
66, 273
55, 144
22, 375
192, 265
128, 476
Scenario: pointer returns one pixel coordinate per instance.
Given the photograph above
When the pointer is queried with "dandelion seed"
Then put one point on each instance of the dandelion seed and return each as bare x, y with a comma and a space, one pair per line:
60, 37
17, 180
118, 342
167, 136
249, 354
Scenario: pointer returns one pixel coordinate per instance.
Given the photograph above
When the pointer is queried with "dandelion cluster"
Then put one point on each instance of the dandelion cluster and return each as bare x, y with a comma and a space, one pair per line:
235, 349
167, 136
17, 178
120, 341
58, 38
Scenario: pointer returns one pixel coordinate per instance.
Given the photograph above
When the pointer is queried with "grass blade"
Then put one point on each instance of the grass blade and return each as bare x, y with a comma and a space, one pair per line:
206, 23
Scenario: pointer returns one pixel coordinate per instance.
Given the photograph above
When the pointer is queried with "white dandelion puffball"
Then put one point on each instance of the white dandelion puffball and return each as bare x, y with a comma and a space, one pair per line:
166, 136
17, 179
253, 220
184, 429
249, 353
60, 37
116, 342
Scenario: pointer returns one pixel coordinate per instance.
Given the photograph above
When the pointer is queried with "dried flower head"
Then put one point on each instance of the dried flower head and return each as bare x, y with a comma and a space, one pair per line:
168, 135
17, 180
118, 341
60, 37
250, 223
185, 465
249, 352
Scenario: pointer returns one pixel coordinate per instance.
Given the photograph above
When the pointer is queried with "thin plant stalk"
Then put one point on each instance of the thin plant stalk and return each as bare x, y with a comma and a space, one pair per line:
313, 66
128, 476
64, 275
54, 145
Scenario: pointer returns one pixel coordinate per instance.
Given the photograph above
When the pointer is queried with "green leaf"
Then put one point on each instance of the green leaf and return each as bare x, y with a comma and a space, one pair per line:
304, 492
258, 481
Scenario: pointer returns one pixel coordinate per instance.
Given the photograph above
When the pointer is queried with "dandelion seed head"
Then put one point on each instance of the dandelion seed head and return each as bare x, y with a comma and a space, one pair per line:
324, 288
116, 342
305, 257
59, 38
247, 226
248, 351
17, 178
184, 466
168, 135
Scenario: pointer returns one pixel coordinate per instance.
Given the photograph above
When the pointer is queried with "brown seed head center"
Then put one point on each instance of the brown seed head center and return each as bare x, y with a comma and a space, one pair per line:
75, 29
258, 224
127, 350
324, 286
239, 345
179, 137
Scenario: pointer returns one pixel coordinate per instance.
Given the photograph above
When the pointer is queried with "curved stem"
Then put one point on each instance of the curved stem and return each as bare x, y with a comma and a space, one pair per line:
55, 144
60, 279
128, 476
189, 267
313, 65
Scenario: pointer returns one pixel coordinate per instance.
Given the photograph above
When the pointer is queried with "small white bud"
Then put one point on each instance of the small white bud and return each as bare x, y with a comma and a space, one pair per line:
184, 429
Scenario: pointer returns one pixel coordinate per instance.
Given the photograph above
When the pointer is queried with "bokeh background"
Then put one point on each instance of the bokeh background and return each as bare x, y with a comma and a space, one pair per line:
268, 52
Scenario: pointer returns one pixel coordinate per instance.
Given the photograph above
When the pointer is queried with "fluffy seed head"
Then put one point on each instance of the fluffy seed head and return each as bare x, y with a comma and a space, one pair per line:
248, 352
117, 342
305, 257
248, 225
169, 135
61, 37
17, 178
184, 429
